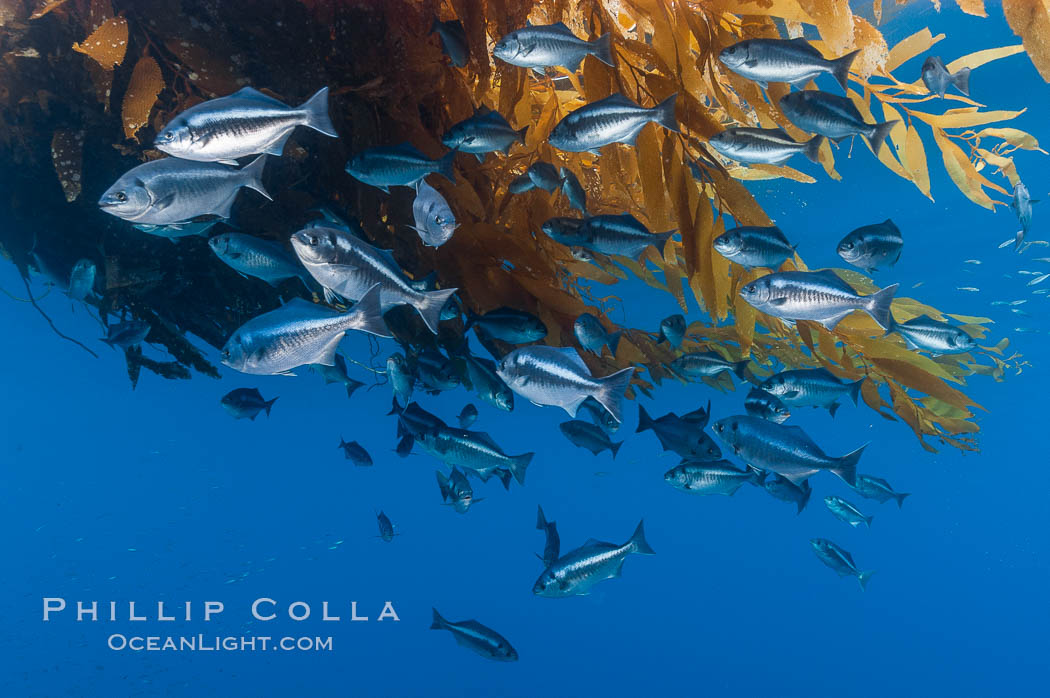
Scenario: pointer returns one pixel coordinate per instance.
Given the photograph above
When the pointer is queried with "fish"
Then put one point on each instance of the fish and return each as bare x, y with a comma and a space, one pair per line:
934, 336
706, 364
558, 376
785, 450
769, 146
615, 119
811, 387
700, 416
552, 543
299, 333
544, 176
544, 46
832, 116
521, 184
484, 132
386, 528
592, 336
261, 259
971, 289
1038, 280
397, 166
434, 370
508, 325
820, 296
846, 512
336, 373
573, 190
937, 79
759, 403
621, 234
82, 280
872, 246
672, 330
718, 477
127, 334
414, 420
871, 487
600, 416
473, 451
755, 246
480, 376
401, 377
467, 416
456, 491
453, 40
589, 436
245, 123
177, 231
785, 490
685, 437
355, 452
576, 572
246, 403
839, 560
434, 220
347, 266
170, 190
477, 638
793, 61
977, 261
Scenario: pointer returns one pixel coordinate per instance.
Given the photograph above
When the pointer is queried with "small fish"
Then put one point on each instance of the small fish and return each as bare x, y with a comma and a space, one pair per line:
477, 638
336, 373
170, 190
509, 325
1038, 280
480, 376
397, 166
299, 333
793, 61
685, 437
719, 477
615, 119
521, 184
977, 261
177, 231
672, 330
871, 246
706, 364
246, 403
589, 436
621, 234
759, 403
811, 387
1026, 330
558, 376
544, 176
770, 146
787, 491
552, 543
576, 572
262, 259
592, 336
484, 132
355, 452
434, 221
386, 529
456, 491
844, 511
755, 246
783, 449
937, 78
832, 116
876, 488
543, 46
468, 415
934, 336
401, 377
971, 289
820, 296
126, 334
244, 123
473, 451
573, 190
82, 280
839, 560
453, 41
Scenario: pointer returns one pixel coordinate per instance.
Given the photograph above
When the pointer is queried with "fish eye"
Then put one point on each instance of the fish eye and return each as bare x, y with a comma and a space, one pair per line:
313, 240
225, 353
120, 196
167, 136
847, 245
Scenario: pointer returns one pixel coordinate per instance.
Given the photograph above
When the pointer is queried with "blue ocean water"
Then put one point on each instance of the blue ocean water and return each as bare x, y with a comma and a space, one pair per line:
155, 494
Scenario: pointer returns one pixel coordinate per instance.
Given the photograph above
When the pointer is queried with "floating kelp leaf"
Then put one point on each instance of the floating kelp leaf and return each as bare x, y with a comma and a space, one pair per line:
1013, 136
965, 117
1031, 21
972, 7
42, 7
107, 44
874, 54
916, 161
146, 83
962, 171
213, 75
67, 154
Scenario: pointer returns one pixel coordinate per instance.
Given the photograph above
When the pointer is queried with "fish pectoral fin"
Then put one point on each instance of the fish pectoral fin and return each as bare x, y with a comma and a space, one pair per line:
277, 147
163, 203
234, 163
327, 355
777, 302
791, 394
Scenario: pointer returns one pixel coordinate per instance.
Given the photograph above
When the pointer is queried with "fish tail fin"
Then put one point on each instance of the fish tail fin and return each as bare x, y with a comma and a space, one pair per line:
854, 391
863, 578
367, 314
253, 173
610, 392
614, 342
663, 113
431, 305
807, 491
445, 166
443, 485
961, 80
840, 67
879, 306
268, 404
868, 520
739, 367
504, 476
438, 623
518, 464
662, 238
541, 520
317, 117
847, 466
645, 422
879, 133
812, 150
899, 496
342, 442
833, 408
615, 447
638, 542
601, 48
521, 134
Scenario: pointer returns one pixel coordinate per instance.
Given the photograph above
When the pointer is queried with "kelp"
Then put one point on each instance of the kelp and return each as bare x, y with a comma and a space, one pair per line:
389, 83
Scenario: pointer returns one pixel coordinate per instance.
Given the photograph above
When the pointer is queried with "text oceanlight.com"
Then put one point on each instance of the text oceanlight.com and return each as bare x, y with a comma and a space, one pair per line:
203, 643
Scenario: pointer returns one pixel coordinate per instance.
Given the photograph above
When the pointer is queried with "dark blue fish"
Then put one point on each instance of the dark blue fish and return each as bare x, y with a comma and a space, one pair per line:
839, 560
589, 436
355, 452
126, 334
246, 403
386, 528
872, 246
832, 116
871, 487
453, 41
477, 638
672, 330
397, 165
544, 176
552, 544
573, 190
937, 79
468, 415
759, 403
685, 437
336, 373
785, 490
509, 325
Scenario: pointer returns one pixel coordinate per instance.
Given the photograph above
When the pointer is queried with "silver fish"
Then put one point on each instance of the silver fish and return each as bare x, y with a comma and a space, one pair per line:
336, 373
755, 246
397, 165
576, 572
467, 416
876, 488
937, 79
832, 116
473, 451
870, 246
168, 191
839, 560
480, 376
615, 119
793, 61
846, 512
456, 491
299, 333
820, 296
262, 259
706, 364
934, 336
719, 477
539, 47
434, 219
401, 378
621, 234
82, 280
477, 638
1021, 205
486, 131
558, 376
347, 266
244, 123
589, 436
811, 387
592, 336
771, 146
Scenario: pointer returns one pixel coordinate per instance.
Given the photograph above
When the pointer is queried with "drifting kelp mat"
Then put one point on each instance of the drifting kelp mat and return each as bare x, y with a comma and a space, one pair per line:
86, 84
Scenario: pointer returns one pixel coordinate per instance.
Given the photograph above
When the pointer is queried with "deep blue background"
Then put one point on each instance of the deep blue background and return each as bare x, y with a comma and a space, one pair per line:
157, 494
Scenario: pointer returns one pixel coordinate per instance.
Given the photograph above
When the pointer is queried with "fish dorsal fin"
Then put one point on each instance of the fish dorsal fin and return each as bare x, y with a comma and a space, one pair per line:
560, 26
485, 438
829, 274
407, 148
481, 110
804, 44
252, 93
591, 541
573, 356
